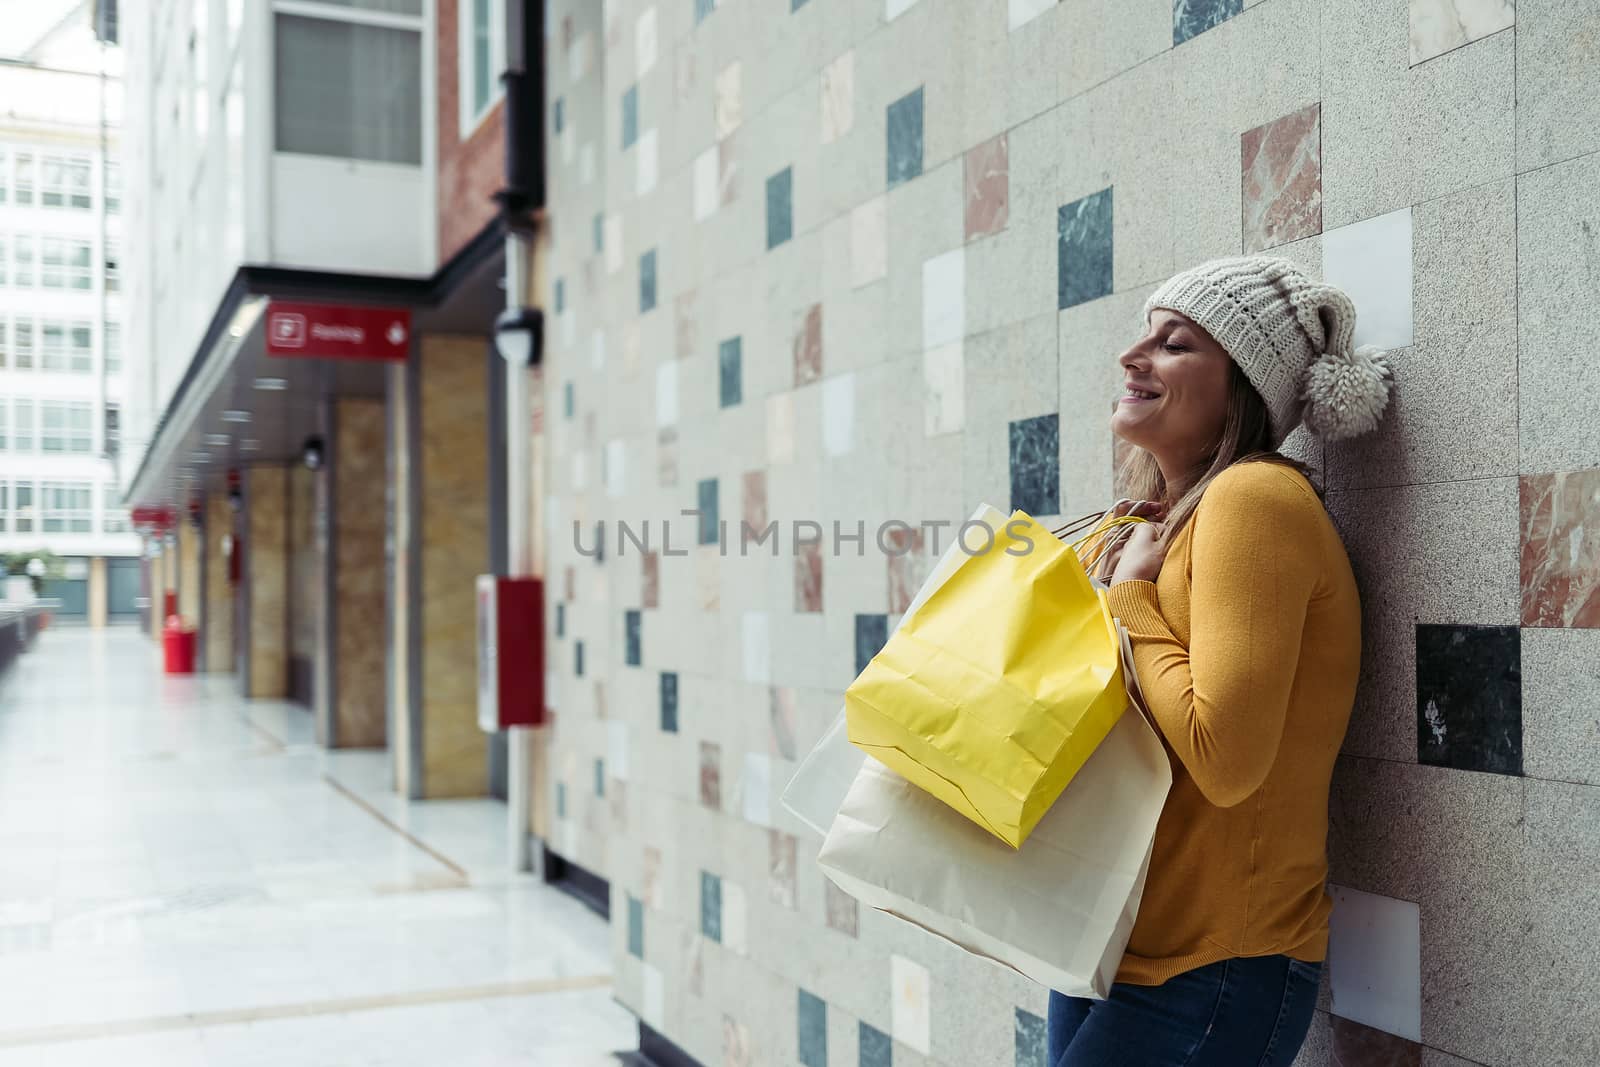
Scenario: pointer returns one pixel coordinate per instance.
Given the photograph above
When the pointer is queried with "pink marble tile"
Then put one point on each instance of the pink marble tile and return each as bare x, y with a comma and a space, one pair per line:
667, 457
735, 1043
988, 187
783, 868
844, 912
1356, 1045
780, 714
650, 880
1281, 164
650, 591
708, 577
808, 578
908, 566
727, 171
1561, 549
808, 347
600, 699
711, 775
617, 795
694, 968
685, 320
755, 500
572, 583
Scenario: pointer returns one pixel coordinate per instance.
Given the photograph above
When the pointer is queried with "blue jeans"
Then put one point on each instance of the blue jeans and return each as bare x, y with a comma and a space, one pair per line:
1234, 1013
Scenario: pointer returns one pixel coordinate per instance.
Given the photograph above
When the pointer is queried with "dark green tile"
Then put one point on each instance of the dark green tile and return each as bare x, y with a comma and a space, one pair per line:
812, 1026
780, 207
1036, 465
1469, 698
905, 138
711, 906
1084, 250
730, 372
1190, 18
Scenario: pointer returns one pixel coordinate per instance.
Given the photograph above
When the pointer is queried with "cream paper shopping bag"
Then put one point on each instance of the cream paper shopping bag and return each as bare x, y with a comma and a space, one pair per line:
1060, 908
823, 778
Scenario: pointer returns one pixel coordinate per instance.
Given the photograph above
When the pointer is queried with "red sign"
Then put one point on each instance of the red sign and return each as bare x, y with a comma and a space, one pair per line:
337, 331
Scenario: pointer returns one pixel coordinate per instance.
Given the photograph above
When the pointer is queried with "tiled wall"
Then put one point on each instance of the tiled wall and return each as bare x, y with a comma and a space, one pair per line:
854, 260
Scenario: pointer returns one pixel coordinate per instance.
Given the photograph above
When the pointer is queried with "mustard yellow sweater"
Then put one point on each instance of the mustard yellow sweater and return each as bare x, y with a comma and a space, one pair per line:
1247, 648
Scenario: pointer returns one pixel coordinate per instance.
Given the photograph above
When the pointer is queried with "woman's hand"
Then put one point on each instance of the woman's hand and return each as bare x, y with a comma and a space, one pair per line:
1143, 554
1149, 510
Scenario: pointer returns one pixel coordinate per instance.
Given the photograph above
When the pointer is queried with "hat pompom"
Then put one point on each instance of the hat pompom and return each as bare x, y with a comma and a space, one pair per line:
1347, 392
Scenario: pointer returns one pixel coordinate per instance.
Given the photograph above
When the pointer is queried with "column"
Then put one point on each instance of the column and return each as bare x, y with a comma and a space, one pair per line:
351, 697
188, 568
216, 631
98, 586
266, 571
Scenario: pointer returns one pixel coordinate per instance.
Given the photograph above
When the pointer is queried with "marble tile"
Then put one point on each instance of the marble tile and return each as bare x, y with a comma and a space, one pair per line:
644, 42
703, 10
586, 166
571, 581
727, 171
944, 389
706, 520
630, 117
561, 295
710, 906
735, 919
843, 910
599, 232
1084, 249
729, 99
755, 789
1557, 82
650, 580
730, 377
1440, 26
1560, 716
1357, 1044
1035, 464
631, 621
652, 997
1469, 698
755, 500
1371, 261
1281, 163
668, 700
808, 346
707, 195
893, 9
782, 868
708, 578
561, 620
614, 473
635, 927
647, 281
1561, 549
756, 646
651, 882
986, 171
647, 154
613, 243
869, 242
904, 144
838, 414
781, 722
872, 633
780, 207
1557, 217
569, 400
1375, 961
780, 428
561, 800
908, 565
1190, 18
1032, 1040
876, 1048
838, 97
808, 578
1562, 885
711, 775
944, 301
1021, 12
811, 1033
910, 1002
577, 659
736, 1048
559, 113
685, 320
599, 777
667, 457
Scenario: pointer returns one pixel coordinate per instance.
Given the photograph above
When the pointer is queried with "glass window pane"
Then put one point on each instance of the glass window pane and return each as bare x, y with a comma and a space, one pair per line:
482, 62
22, 350
394, 7
25, 513
348, 91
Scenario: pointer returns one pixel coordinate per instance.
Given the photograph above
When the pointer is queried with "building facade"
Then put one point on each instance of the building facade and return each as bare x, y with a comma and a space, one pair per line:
63, 380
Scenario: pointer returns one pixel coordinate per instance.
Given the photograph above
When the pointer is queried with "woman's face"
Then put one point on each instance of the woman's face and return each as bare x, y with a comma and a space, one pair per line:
1175, 391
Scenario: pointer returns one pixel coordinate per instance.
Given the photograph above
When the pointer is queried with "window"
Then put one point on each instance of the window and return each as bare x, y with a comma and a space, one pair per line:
22, 178
113, 267
64, 183
482, 52
65, 264
24, 513
112, 430
22, 426
5, 500
113, 518
113, 348
68, 507
348, 91
5, 424
82, 354
22, 261
113, 188
5, 258
22, 345
66, 426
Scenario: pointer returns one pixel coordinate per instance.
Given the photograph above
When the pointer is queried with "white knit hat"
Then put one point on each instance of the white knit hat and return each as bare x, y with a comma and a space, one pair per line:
1291, 336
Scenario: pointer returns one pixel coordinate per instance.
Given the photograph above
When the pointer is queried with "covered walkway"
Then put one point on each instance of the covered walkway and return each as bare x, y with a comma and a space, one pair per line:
186, 878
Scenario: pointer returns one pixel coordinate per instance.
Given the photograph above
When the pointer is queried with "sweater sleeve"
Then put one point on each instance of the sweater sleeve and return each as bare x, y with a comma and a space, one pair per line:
1256, 554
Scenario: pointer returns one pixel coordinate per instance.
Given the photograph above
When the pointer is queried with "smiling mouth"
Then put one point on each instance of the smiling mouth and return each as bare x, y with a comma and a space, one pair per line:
1139, 394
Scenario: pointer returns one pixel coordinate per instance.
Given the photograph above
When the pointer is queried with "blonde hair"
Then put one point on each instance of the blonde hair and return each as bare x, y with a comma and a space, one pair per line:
1246, 438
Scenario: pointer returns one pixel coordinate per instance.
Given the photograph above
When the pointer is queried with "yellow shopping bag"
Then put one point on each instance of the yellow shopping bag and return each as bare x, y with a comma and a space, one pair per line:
995, 693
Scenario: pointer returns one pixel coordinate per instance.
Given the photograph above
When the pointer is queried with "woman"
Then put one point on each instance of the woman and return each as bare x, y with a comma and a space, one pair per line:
1246, 631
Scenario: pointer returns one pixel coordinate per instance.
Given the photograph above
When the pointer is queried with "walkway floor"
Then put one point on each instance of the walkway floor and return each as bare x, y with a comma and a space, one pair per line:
187, 879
